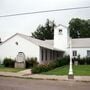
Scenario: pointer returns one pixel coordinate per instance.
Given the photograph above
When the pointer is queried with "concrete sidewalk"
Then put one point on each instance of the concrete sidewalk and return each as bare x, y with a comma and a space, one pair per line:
27, 74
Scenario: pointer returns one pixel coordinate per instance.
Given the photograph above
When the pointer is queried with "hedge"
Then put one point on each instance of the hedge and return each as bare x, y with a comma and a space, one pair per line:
8, 62
31, 62
52, 65
82, 61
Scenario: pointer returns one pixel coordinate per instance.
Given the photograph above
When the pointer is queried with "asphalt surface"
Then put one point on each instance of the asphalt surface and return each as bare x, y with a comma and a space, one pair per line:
8, 83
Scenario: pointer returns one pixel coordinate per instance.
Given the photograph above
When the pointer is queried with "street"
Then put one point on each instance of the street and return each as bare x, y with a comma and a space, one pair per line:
8, 83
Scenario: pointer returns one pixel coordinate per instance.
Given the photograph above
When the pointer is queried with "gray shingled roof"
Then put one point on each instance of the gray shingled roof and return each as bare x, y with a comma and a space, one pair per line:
76, 43
81, 43
43, 43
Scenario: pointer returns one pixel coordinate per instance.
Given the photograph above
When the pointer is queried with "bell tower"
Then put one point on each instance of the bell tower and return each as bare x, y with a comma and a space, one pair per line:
61, 37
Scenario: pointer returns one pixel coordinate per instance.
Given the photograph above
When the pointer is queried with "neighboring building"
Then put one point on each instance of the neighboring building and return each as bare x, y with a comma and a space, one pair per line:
47, 50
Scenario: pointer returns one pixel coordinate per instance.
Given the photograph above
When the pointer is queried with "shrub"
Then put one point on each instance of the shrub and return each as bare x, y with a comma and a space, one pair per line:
63, 61
8, 62
88, 60
82, 61
50, 66
31, 62
40, 68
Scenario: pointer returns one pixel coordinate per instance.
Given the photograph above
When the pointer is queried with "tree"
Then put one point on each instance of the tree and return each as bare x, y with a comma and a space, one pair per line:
46, 31
79, 28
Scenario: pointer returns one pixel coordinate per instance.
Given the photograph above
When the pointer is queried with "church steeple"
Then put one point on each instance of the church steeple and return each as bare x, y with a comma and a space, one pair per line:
61, 38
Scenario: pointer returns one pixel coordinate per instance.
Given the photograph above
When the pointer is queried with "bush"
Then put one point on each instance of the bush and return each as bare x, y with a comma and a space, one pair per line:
82, 61
88, 60
8, 62
31, 62
50, 66
64, 61
40, 68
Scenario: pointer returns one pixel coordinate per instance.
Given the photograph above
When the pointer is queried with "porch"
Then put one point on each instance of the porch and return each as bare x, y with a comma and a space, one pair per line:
48, 55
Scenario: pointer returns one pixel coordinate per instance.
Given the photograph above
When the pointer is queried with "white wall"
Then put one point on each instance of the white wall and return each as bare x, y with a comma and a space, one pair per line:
61, 40
10, 49
80, 51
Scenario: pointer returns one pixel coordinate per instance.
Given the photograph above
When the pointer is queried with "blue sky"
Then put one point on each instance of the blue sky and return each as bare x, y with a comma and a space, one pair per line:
28, 23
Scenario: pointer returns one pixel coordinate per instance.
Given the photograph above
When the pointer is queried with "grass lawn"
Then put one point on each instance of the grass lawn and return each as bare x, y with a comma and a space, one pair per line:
82, 70
5, 69
78, 70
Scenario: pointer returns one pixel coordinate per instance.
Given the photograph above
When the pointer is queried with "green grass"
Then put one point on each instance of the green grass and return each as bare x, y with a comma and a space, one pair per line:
5, 69
78, 70
82, 70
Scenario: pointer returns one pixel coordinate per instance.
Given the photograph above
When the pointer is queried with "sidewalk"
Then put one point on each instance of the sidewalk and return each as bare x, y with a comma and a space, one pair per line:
27, 74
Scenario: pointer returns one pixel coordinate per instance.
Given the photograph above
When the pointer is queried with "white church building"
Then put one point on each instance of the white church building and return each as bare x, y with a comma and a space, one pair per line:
47, 50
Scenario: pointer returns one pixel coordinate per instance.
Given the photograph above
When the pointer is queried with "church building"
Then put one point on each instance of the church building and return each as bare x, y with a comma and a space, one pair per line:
45, 50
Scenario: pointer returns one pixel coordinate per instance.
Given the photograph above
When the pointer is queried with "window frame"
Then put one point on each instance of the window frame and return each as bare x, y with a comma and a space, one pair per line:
88, 55
42, 55
60, 31
74, 53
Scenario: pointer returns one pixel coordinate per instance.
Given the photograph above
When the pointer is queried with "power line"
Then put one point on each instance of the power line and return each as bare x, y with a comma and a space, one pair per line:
36, 12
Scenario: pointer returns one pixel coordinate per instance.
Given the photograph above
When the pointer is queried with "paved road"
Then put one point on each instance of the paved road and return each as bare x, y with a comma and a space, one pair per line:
7, 83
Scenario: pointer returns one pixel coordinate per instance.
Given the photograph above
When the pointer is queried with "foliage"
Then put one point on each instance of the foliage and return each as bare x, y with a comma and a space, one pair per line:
40, 68
58, 63
88, 60
82, 61
79, 28
8, 62
46, 31
31, 62
63, 61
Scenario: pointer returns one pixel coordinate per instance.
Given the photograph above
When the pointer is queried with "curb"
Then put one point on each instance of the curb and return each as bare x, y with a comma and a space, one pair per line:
47, 78
31, 77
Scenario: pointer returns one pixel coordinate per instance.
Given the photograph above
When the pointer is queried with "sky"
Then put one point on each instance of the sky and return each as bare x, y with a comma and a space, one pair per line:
27, 24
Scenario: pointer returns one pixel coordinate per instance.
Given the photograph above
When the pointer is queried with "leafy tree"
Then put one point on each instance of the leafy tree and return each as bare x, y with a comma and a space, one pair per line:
79, 28
46, 31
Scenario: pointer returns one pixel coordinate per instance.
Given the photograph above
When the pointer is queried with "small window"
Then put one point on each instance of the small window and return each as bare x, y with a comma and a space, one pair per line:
20, 53
46, 54
60, 31
74, 53
88, 53
51, 54
42, 54
16, 43
57, 54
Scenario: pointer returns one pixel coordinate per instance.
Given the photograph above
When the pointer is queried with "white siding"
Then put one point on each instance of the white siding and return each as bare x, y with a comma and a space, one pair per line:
10, 49
80, 51
61, 40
